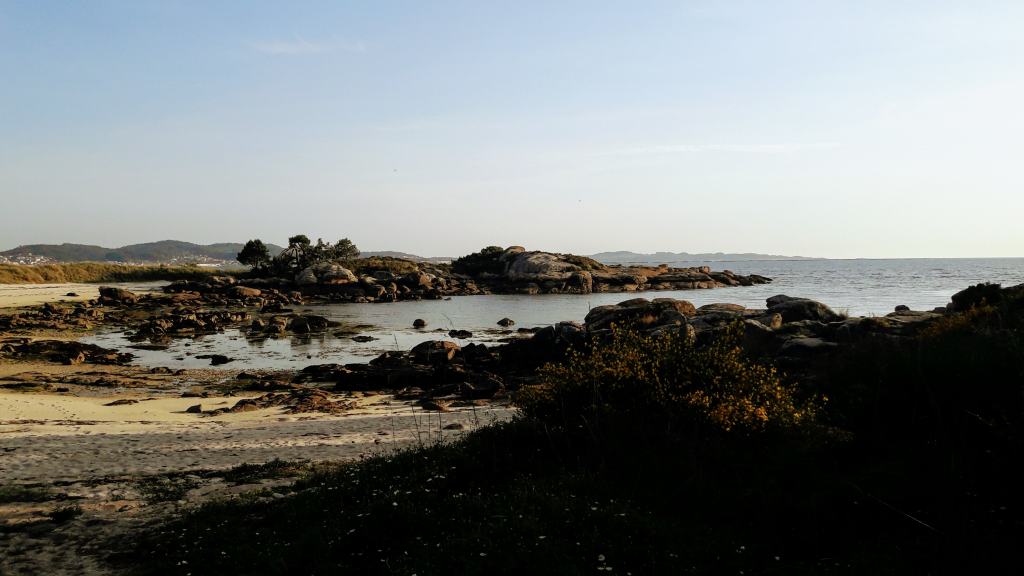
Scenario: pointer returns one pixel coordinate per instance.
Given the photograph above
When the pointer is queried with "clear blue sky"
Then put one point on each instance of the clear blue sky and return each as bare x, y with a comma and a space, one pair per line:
841, 129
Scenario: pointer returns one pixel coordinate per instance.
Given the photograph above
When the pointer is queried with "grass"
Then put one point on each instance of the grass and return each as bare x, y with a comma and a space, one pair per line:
17, 493
91, 272
168, 488
251, 473
65, 513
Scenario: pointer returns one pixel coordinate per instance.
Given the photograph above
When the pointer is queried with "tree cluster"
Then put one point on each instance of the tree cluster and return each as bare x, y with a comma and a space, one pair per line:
301, 253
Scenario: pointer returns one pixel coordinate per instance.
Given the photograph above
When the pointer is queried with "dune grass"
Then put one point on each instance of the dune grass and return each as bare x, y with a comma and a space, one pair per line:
94, 272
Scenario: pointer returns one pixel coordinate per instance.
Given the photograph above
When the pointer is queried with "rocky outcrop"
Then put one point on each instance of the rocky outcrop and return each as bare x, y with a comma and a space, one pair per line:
80, 316
63, 352
185, 322
109, 294
518, 271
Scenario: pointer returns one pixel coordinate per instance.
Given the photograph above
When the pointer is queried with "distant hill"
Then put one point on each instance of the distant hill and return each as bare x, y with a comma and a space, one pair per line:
407, 256
150, 252
624, 257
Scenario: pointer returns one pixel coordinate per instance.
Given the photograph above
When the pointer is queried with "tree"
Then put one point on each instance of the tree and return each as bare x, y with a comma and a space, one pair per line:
344, 249
301, 253
255, 255
298, 240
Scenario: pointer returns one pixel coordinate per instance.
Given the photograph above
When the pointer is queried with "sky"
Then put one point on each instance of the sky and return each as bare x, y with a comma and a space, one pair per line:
820, 128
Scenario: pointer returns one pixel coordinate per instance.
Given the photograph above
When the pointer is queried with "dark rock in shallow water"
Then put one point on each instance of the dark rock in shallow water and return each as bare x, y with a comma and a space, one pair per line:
506, 322
117, 295
419, 323
215, 359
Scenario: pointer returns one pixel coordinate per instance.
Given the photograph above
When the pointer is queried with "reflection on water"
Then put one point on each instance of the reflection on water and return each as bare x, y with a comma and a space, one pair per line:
860, 287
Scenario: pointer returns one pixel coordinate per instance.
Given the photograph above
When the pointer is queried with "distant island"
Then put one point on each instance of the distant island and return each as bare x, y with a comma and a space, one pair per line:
625, 257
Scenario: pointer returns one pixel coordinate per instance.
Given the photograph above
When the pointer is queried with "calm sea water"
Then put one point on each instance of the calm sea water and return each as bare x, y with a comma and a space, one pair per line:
859, 287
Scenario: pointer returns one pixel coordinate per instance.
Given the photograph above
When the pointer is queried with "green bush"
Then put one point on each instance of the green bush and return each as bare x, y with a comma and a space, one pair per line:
484, 261
668, 376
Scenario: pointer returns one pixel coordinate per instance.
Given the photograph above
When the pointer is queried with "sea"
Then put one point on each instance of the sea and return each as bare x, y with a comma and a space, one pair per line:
858, 287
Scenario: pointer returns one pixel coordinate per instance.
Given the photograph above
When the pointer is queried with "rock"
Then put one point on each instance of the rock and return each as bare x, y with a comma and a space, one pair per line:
434, 405
215, 359
796, 309
506, 322
363, 338
802, 347
460, 334
419, 323
773, 320
433, 351
902, 308
684, 307
306, 277
582, 282
417, 280
330, 273
71, 295
196, 409
537, 267
308, 323
66, 352
977, 295
722, 307
120, 295
244, 292
640, 312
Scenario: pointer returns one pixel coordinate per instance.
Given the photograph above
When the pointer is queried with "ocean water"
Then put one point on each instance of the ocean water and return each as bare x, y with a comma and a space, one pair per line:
858, 287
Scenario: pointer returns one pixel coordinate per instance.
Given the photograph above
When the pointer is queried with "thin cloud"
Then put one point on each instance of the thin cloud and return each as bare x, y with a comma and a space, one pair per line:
300, 46
744, 148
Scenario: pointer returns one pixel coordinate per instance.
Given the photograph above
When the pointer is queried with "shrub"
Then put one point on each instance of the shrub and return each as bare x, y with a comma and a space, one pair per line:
484, 261
671, 377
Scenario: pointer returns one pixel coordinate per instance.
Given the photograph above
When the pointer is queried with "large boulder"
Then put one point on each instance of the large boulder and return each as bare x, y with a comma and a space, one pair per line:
641, 312
244, 292
330, 273
325, 273
306, 278
433, 351
538, 267
796, 309
119, 295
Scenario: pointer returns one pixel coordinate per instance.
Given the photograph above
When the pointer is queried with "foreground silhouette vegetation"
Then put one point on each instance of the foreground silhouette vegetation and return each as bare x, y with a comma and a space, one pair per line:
657, 456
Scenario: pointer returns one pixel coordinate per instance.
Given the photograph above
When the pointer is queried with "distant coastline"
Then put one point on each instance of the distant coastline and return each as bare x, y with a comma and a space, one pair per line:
626, 257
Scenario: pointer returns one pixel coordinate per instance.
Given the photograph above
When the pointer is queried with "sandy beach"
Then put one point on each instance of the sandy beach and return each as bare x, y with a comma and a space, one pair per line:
45, 437
100, 459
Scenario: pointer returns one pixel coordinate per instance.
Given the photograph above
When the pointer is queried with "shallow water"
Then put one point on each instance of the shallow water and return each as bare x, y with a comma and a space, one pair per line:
859, 287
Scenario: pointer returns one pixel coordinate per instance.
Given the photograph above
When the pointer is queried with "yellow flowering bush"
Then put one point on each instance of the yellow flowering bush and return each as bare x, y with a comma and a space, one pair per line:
667, 375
